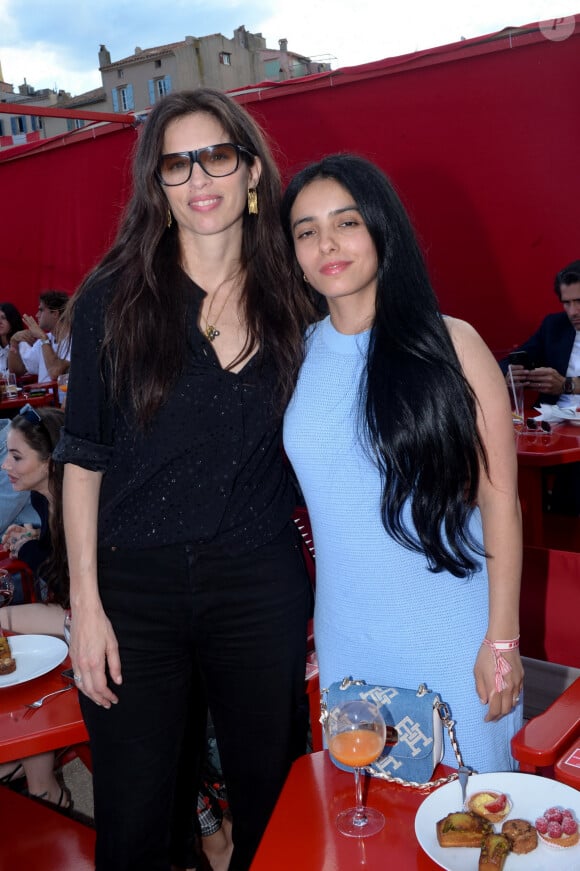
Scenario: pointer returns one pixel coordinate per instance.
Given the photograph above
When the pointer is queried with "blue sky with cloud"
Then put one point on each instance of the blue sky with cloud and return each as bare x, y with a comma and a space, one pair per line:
55, 43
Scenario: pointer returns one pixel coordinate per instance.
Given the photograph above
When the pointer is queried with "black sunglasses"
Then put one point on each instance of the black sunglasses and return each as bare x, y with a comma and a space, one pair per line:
534, 424
216, 161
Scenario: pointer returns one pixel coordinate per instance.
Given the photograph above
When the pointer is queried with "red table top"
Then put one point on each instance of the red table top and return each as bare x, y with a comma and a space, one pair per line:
302, 835
59, 723
560, 446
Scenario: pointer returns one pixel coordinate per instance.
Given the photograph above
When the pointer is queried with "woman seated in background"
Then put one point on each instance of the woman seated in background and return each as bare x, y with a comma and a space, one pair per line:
401, 436
32, 437
10, 322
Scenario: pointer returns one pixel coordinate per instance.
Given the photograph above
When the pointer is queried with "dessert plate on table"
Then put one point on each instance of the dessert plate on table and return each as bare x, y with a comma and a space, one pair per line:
35, 655
530, 796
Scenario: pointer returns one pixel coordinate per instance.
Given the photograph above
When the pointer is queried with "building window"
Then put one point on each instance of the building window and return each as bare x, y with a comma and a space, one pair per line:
157, 64
158, 88
120, 74
225, 58
1, 128
18, 125
123, 100
79, 123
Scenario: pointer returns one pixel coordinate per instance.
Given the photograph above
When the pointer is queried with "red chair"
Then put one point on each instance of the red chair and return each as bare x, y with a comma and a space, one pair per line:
35, 836
549, 744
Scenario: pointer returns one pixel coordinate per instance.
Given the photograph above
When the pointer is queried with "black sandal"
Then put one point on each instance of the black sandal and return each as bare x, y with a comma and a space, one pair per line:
10, 779
65, 809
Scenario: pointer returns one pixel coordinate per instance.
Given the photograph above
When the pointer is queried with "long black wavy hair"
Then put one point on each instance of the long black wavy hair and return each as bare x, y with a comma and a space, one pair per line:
13, 317
146, 312
417, 414
43, 437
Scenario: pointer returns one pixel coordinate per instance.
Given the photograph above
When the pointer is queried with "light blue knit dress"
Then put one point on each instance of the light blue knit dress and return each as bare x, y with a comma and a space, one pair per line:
380, 614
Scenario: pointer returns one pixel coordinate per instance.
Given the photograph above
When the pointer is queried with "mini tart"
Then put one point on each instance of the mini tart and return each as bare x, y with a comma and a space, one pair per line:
561, 842
567, 834
478, 801
521, 834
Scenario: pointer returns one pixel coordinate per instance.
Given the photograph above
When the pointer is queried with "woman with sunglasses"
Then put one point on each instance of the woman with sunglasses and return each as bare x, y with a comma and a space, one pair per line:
400, 434
187, 582
32, 436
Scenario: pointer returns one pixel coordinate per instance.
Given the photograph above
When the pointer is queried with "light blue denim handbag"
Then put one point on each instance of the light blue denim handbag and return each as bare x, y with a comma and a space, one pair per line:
414, 720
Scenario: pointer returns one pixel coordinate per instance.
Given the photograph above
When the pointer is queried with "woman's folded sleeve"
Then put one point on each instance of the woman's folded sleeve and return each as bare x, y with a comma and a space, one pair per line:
88, 435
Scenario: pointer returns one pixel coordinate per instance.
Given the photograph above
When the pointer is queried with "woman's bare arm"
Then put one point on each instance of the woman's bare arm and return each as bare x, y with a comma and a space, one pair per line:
500, 513
93, 649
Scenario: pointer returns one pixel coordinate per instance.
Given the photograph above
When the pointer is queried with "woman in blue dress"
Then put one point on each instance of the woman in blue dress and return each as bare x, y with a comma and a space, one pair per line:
400, 434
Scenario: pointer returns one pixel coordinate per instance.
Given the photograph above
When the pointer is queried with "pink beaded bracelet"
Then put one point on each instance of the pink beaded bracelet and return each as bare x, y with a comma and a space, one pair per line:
502, 666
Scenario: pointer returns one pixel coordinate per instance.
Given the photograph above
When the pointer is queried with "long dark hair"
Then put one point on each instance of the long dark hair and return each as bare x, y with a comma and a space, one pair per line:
417, 414
13, 317
145, 311
43, 438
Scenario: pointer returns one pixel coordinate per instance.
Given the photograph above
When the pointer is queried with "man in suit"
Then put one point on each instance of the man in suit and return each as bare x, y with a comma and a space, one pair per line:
552, 367
553, 352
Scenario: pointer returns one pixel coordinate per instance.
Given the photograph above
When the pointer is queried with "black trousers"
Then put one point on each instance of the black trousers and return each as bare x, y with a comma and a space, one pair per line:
196, 629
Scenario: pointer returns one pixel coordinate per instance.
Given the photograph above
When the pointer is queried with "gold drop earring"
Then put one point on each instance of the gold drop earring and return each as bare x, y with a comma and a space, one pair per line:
169, 218
252, 201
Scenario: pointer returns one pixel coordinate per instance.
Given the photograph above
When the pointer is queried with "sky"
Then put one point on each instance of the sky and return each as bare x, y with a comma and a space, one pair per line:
55, 43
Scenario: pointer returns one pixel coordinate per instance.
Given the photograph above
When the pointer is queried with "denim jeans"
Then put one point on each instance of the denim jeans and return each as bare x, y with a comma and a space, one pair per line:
197, 629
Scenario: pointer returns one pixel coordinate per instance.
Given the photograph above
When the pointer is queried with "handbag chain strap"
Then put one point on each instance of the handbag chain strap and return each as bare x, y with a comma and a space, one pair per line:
445, 716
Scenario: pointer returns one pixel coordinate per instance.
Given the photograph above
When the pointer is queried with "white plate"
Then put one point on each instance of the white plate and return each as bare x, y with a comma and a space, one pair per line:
35, 655
530, 796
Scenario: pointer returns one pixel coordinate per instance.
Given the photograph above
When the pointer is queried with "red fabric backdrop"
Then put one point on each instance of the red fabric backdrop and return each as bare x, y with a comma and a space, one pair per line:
60, 209
480, 137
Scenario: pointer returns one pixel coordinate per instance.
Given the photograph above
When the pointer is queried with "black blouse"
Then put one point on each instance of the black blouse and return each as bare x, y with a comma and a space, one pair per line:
208, 471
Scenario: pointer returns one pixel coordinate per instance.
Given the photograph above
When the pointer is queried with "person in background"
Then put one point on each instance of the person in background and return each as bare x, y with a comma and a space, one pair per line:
401, 437
31, 439
188, 586
553, 370
15, 507
43, 347
10, 323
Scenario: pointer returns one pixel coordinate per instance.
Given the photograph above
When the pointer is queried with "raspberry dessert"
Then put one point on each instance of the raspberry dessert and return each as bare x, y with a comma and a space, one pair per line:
558, 827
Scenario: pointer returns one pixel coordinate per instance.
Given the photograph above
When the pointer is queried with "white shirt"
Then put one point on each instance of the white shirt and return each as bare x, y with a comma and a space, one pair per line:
33, 357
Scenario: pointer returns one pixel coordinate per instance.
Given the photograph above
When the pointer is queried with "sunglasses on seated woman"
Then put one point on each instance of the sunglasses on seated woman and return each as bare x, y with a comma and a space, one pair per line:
216, 161
533, 424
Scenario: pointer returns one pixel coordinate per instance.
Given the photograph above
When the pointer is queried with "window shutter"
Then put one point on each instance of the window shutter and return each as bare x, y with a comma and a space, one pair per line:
33, 123
115, 100
130, 98
167, 84
151, 89
14, 126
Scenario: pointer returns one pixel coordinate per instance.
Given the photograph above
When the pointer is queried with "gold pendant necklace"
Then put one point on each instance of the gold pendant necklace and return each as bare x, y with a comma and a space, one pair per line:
211, 331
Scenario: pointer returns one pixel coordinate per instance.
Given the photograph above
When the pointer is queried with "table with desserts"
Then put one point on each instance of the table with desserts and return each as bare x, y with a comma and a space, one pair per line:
302, 832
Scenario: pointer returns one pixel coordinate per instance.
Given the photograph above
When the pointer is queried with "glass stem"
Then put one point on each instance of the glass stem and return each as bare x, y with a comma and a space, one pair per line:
359, 818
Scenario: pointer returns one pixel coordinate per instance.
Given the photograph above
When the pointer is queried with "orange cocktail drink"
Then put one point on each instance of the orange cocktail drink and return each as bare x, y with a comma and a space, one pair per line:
356, 748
